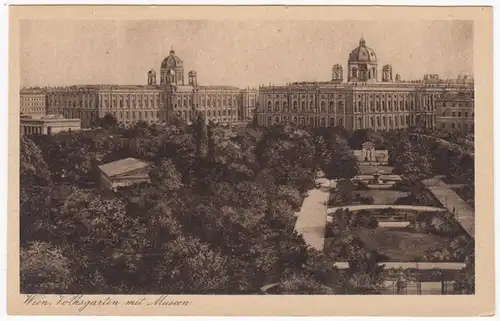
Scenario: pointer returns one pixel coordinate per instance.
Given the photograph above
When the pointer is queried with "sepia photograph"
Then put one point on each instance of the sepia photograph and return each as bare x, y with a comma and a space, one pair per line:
246, 157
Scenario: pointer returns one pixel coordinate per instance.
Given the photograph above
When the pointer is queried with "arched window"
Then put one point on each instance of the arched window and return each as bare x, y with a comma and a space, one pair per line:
277, 106
323, 107
331, 107
311, 121
294, 106
332, 122
401, 105
340, 105
354, 72
372, 122
303, 106
341, 122
269, 106
384, 121
390, 122
323, 122
302, 121
378, 121
285, 105
277, 119
371, 106
295, 119
383, 105
378, 106
269, 120
311, 106
360, 122
208, 113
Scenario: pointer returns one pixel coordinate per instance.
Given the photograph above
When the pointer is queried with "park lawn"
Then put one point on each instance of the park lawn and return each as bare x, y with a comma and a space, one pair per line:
383, 197
400, 244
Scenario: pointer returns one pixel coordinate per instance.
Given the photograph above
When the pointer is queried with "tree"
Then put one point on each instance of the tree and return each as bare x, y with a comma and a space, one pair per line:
342, 162
33, 168
166, 176
106, 239
200, 135
44, 269
412, 162
191, 267
467, 281
302, 284
109, 121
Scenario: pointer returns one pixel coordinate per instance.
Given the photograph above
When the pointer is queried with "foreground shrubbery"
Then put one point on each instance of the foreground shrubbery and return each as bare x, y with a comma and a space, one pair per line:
421, 197
440, 223
217, 218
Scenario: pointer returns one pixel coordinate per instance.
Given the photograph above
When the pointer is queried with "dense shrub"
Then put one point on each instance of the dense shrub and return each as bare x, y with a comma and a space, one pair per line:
419, 198
440, 223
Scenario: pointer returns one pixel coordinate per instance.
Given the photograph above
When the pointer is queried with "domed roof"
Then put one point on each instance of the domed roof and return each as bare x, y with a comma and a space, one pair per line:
363, 54
171, 61
337, 67
387, 68
192, 73
152, 72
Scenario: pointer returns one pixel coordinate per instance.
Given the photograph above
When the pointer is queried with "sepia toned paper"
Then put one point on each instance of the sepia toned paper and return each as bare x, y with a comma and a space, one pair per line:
272, 17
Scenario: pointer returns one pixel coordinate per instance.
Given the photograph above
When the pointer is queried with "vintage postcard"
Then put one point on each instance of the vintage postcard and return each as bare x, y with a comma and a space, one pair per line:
251, 161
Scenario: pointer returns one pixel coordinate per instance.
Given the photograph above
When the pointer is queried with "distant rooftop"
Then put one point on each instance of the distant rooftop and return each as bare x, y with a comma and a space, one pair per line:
49, 116
122, 166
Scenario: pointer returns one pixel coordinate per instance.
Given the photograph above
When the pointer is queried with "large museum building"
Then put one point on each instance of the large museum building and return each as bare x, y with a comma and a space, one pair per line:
370, 98
154, 102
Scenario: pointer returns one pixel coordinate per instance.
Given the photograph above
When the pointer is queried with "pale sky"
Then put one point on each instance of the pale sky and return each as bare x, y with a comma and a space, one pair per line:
238, 53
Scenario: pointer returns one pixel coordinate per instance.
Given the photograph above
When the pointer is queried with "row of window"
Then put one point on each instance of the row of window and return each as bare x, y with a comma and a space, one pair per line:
311, 121
138, 115
449, 104
286, 96
312, 107
32, 104
457, 114
210, 113
460, 126
26, 109
389, 107
396, 96
147, 103
390, 121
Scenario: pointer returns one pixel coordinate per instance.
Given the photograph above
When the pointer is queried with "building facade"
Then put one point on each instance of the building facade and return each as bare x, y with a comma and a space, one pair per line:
173, 97
368, 155
32, 102
455, 111
47, 124
361, 102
